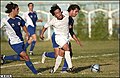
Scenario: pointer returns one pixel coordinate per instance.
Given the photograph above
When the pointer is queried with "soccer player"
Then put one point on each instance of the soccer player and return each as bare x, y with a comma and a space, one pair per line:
31, 18
61, 29
73, 10
13, 23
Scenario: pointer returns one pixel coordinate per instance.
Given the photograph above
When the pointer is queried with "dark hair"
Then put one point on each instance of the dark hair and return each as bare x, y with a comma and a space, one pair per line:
73, 7
30, 3
10, 6
53, 8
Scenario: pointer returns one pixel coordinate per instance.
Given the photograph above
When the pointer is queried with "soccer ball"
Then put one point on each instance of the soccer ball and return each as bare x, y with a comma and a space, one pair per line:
95, 68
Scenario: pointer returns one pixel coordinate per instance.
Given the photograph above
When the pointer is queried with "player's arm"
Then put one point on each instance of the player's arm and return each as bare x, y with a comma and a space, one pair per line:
26, 32
73, 35
39, 20
48, 24
42, 33
24, 29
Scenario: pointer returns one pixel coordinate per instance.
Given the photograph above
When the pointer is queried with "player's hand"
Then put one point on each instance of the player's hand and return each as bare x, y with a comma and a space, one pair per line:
42, 37
78, 42
27, 36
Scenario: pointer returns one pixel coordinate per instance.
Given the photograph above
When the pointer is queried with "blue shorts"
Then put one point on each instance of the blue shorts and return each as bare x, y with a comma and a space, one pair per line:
31, 30
18, 48
55, 45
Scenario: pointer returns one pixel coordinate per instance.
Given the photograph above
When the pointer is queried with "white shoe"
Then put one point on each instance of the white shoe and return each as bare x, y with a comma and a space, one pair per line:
43, 57
30, 52
39, 73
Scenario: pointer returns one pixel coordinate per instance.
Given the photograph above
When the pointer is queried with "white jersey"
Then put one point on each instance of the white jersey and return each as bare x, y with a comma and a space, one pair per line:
30, 18
13, 30
60, 26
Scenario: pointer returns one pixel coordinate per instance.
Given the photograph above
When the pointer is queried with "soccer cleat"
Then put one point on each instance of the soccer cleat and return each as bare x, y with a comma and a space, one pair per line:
30, 52
39, 73
71, 69
43, 57
2, 59
52, 70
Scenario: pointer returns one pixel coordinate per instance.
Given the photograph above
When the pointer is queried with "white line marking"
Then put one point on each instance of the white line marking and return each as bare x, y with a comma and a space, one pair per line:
18, 65
72, 58
93, 56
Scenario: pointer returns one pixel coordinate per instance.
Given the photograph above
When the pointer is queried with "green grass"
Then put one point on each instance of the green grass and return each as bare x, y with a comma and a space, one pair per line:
106, 52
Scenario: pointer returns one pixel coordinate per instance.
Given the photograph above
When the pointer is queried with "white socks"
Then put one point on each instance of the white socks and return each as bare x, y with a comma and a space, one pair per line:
68, 59
58, 62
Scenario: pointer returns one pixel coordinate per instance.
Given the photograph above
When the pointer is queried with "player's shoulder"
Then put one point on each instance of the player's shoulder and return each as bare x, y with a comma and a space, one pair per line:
18, 17
35, 12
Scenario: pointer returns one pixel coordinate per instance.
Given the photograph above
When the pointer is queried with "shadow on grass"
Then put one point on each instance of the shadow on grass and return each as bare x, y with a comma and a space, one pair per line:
43, 69
79, 69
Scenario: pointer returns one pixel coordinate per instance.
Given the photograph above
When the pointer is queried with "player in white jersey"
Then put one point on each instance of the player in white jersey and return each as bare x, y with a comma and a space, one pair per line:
61, 29
31, 18
13, 24
72, 12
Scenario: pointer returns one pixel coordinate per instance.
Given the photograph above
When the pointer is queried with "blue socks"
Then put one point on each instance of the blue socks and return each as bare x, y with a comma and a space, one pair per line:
12, 57
65, 66
32, 45
31, 67
50, 54
26, 45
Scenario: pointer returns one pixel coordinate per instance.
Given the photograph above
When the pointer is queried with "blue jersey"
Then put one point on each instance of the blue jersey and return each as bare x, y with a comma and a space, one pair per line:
13, 28
31, 19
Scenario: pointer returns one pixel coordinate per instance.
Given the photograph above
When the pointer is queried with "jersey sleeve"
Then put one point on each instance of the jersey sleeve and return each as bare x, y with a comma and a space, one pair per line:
50, 23
71, 22
22, 22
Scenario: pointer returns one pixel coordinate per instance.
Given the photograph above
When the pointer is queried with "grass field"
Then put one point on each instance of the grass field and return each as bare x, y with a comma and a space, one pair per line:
105, 53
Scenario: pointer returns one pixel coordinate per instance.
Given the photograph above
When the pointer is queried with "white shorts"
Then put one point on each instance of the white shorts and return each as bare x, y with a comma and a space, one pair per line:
61, 40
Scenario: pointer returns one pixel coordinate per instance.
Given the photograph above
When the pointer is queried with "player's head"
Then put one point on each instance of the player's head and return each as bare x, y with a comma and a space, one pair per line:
30, 6
11, 7
73, 10
56, 11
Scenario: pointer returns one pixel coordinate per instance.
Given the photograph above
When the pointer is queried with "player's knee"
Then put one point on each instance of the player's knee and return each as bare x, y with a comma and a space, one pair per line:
26, 58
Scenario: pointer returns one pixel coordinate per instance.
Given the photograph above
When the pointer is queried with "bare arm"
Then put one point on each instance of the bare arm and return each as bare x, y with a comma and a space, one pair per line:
42, 33
27, 34
39, 20
74, 36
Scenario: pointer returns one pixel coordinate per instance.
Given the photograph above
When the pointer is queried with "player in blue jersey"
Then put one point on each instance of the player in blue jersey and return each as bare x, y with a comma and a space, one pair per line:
13, 24
72, 12
31, 18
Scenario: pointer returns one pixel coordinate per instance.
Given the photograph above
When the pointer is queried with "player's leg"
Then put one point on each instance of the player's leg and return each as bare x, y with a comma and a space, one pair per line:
27, 44
58, 61
16, 48
28, 62
32, 44
67, 55
20, 51
65, 66
50, 54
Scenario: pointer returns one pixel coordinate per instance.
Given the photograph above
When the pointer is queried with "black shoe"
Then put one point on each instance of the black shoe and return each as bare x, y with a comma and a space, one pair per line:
71, 70
2, 59
52, 70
